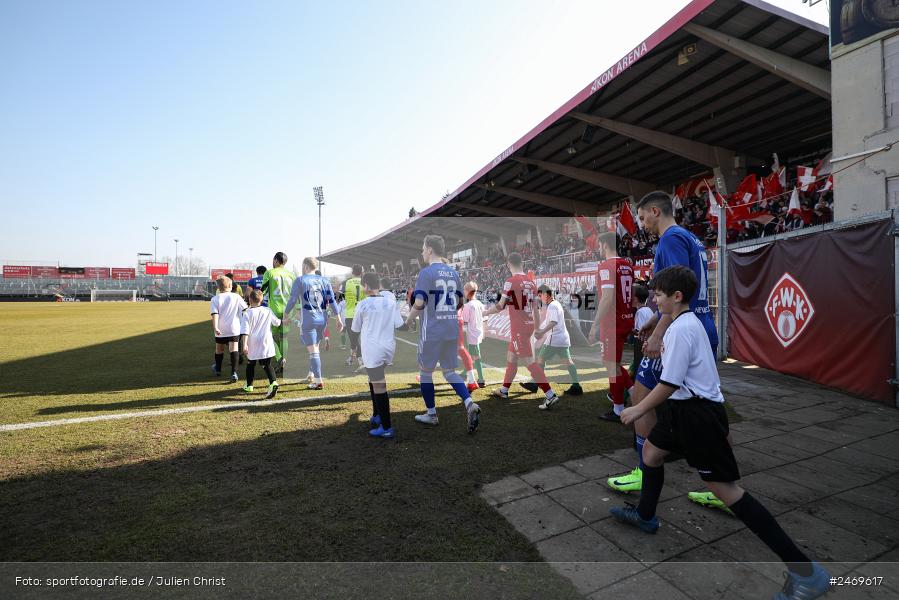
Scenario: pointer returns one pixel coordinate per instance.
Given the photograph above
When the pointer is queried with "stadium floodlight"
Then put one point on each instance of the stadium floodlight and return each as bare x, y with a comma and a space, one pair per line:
319, 194
155, 229
190, 261
176, 256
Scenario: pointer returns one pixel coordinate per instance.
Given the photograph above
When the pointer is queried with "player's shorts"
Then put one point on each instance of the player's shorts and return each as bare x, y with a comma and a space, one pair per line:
697, 429
376, 373
312, 334
444, 352
548, 352
611, 346
226, 339
520, 343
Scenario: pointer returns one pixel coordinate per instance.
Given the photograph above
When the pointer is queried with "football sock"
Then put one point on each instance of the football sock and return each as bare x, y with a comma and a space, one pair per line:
427, 391
466, 358
618, 408
267, 367
509, 377
251, 371
539, 376
383, 404
471, 378
234, 359
653, 480
639, 440
765, 526
219, 358
457, 384
315, 365
572, 372
374, 400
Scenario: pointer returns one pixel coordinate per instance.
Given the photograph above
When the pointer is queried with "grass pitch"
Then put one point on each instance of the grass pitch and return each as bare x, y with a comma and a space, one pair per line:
291, 482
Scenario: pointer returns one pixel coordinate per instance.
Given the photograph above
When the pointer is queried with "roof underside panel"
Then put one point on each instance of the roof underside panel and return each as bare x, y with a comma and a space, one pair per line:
716, 98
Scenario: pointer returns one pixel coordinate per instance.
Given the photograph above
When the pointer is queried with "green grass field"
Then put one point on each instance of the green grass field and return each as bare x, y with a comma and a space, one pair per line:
298, 481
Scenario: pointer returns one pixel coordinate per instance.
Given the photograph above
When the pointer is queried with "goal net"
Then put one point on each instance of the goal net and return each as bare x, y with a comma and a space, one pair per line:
113, 295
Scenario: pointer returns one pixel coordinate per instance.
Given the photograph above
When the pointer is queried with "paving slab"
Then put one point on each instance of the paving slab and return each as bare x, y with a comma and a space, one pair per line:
588, 501
877, 498
888, 571
669, 541
857, 519
552, 478
858, 458
815, 414
584, 556
774, 447
825, 476
838, 438
754, 430
715, 580
705, 524
784, 491
539, 517
882, 445
751, 461
642, 586
597, 467
506, 490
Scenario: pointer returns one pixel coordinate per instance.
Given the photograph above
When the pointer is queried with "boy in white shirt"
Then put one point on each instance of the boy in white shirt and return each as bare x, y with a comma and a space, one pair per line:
258, 343
376, 318
557, 343
473, 321
226, 308
696, 426
642, 315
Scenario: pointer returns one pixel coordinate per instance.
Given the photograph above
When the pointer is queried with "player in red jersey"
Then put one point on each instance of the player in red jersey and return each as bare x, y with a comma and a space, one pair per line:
614, 320
519, 295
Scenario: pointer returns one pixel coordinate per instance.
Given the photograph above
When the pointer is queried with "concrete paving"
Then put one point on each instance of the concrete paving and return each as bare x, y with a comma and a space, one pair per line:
826, 464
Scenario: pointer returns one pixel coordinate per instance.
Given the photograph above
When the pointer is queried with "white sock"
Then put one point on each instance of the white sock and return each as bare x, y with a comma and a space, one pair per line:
550, 394
468, 403
504, 389
318, 380
471, 376
618, 408
432, 411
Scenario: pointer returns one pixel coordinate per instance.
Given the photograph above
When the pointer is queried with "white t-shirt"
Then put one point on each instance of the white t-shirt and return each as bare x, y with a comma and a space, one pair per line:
687, 360
229, 307
341, 308
557, 337
376, 318
256, 324
473, 317
643, 314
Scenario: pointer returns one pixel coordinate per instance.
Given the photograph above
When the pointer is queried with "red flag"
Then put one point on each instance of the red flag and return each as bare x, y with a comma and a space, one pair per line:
772, 186
589, 230
746, 194
626, 219
828, 184
806, 177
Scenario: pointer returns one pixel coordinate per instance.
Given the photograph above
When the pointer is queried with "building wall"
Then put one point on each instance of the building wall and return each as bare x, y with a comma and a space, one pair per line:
865, 80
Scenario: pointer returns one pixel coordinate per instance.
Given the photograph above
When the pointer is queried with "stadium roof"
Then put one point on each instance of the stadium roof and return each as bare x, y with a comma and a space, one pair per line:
757, 81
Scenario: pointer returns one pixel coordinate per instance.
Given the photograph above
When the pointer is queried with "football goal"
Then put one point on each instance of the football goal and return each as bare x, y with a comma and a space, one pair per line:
113, 295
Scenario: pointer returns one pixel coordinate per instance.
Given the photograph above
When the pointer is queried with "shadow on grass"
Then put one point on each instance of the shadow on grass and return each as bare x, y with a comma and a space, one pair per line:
328, 494
138, 362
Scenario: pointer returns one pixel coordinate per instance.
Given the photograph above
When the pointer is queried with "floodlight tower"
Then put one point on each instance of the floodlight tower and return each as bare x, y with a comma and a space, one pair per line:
155, 229
176, 256
319, 195
190, 261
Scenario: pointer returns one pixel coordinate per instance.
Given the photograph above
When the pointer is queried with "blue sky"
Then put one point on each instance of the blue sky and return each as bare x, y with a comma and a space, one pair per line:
214, 120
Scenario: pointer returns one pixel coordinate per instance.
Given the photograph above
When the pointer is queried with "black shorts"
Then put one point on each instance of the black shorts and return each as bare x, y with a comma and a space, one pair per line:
225, 340
697, 429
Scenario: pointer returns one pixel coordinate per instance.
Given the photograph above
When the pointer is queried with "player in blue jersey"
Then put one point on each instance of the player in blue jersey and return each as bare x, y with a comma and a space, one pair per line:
437, 298
316, 295
255, 283
676, 246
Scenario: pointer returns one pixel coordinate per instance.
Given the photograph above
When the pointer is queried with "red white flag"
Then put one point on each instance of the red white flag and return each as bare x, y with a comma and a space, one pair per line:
626, 220
806, 177
828, 184
794, 208
747, 190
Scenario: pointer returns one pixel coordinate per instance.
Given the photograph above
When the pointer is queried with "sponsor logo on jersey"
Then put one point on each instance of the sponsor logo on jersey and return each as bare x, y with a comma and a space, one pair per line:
789, 310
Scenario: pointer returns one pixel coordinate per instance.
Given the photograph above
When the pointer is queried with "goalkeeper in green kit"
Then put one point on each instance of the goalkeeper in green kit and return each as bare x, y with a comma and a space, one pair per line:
276, 284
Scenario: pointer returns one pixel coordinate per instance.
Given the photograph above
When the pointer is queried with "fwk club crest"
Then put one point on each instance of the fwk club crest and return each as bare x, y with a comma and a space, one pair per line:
788, 310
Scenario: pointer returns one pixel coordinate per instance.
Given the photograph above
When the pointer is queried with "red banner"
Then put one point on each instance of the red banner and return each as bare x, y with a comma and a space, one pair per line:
120, 274
52, 272
96, 272
156, 268
819, 306
16, 272
240, 275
